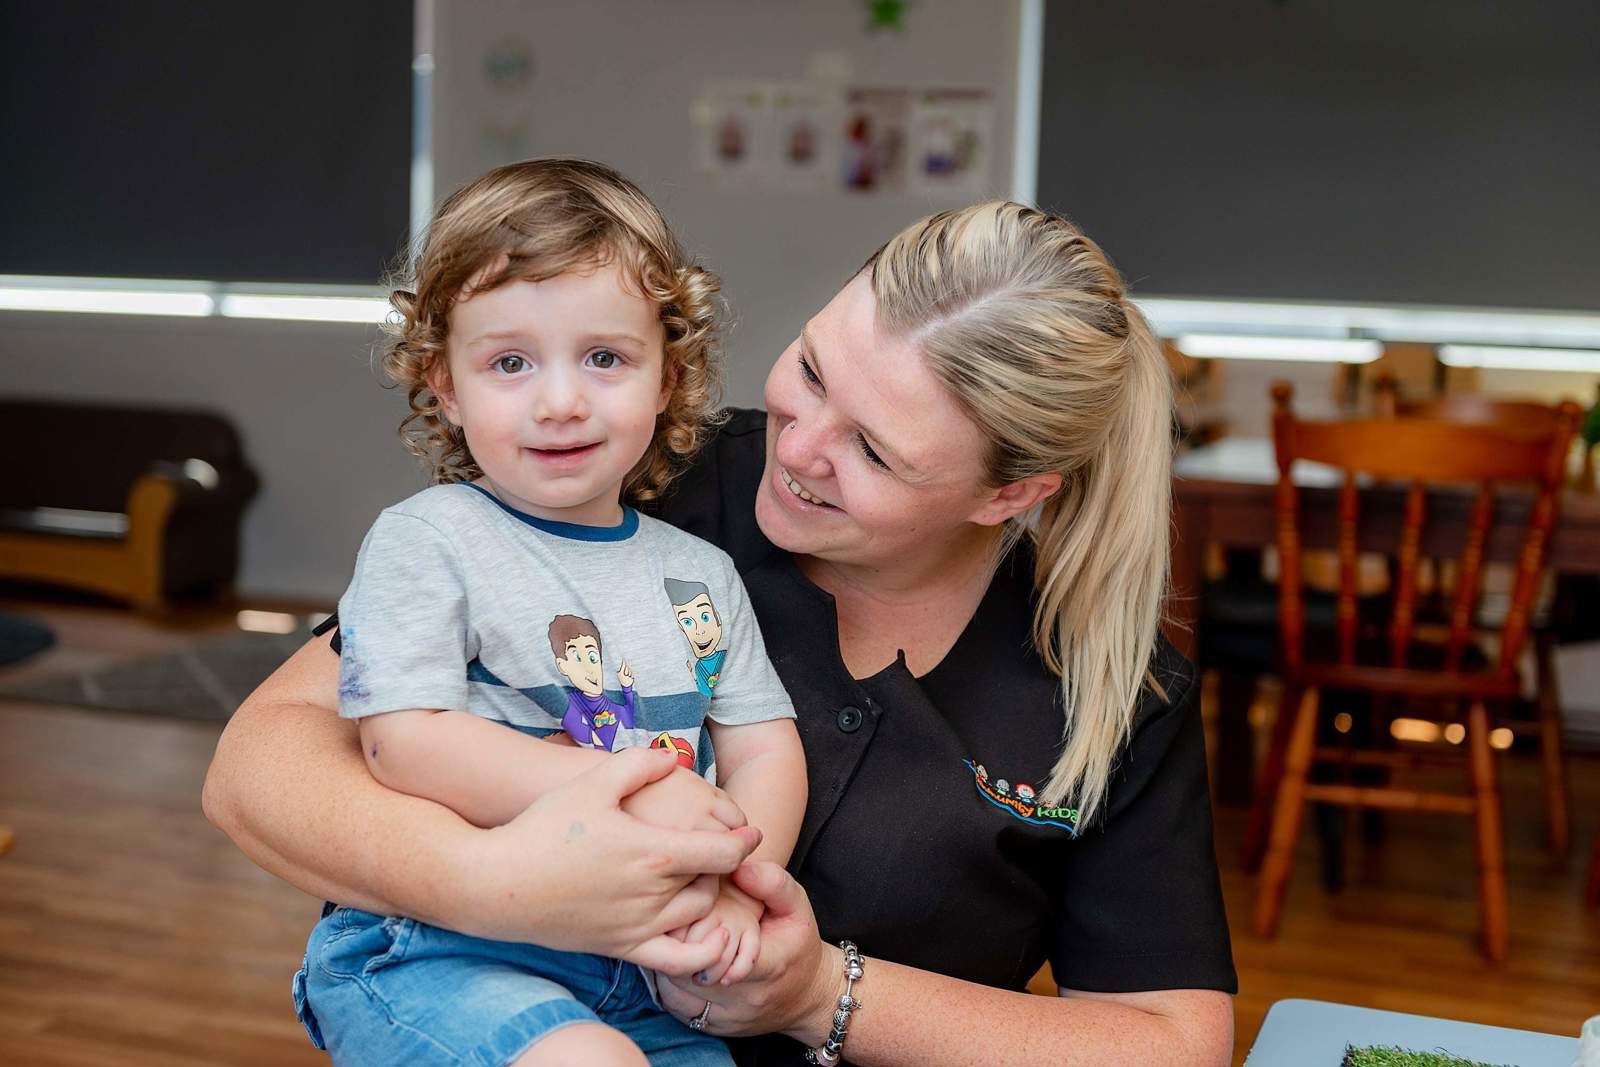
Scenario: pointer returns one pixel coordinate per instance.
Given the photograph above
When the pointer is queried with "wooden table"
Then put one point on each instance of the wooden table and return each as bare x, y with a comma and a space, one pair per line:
1223, 494
1301, 1032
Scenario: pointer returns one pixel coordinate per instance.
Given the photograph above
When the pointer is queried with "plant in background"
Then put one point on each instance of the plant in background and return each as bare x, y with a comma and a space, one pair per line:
1591, 424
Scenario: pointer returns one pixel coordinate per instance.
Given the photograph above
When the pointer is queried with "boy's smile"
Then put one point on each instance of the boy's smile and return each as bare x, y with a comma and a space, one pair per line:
557, 385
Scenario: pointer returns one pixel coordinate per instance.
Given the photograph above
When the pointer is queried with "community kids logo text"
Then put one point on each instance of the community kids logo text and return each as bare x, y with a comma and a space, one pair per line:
1018, 801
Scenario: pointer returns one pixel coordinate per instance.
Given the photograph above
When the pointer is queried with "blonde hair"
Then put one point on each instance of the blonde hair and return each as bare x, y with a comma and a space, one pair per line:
534, 220
1027, 324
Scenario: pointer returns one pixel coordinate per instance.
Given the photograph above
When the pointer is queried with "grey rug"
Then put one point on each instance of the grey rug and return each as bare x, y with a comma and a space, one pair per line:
207, 679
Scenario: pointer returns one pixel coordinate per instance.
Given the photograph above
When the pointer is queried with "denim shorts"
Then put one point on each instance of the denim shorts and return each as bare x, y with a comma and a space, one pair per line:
382, 990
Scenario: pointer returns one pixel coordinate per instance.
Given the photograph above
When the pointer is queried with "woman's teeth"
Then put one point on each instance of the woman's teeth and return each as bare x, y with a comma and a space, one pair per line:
794, 487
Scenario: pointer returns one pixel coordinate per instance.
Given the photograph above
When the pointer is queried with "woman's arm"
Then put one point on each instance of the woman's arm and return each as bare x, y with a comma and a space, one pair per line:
917, 1017
289, 785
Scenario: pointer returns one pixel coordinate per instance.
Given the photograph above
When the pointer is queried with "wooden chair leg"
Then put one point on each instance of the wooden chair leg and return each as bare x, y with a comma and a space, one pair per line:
1591, 895
1255, 833
1287, 811
1557, 811
1490, 836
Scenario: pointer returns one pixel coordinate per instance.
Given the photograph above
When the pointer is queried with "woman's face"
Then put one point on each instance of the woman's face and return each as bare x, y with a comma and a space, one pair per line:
869, 458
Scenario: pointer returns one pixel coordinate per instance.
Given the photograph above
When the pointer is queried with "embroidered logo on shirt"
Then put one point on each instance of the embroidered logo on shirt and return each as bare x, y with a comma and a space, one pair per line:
1018, 801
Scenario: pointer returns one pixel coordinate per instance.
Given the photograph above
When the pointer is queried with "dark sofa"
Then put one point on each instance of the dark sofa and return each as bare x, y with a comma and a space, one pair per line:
140, 504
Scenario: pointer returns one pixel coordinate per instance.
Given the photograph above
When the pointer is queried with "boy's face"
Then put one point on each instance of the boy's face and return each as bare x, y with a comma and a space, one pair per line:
700, 625
581, 665
556, 385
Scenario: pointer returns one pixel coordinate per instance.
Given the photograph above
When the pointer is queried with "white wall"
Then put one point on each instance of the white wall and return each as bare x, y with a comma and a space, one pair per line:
612, 80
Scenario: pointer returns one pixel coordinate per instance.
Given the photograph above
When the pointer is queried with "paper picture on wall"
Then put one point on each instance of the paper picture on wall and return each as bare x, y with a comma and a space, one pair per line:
873, 153
950, 134
802, 117
731, 129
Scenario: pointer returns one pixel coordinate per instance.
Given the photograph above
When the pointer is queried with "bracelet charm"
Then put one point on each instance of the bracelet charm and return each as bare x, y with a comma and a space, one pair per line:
828, 1053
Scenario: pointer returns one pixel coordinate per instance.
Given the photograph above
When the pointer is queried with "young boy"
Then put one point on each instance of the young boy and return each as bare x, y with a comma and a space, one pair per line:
557, 350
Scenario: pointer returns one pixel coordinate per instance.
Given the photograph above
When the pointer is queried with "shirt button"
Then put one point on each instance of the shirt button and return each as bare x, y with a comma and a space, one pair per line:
849, 719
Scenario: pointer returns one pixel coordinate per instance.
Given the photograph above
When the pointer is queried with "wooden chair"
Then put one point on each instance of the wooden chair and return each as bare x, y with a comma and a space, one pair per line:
1523, 417
1414, 451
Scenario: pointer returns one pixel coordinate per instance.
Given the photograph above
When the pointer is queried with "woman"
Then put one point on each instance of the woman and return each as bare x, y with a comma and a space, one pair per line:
957, 552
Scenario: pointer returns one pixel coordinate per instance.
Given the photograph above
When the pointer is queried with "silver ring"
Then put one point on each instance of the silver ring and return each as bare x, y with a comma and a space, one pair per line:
699, 1021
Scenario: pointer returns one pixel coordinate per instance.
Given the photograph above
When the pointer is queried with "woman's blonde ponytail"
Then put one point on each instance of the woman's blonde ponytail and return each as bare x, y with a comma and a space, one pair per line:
1026, 322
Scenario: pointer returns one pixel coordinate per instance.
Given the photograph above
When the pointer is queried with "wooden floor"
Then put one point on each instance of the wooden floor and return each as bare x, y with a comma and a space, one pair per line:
132, 933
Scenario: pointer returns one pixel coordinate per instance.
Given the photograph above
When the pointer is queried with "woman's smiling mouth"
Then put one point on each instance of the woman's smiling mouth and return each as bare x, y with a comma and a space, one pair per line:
798, 490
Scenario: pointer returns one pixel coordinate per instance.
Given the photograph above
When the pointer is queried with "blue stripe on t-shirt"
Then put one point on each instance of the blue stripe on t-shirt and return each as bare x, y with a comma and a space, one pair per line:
572, 531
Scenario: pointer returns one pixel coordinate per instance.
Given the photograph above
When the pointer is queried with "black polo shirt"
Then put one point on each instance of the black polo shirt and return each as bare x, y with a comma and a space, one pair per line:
920, 841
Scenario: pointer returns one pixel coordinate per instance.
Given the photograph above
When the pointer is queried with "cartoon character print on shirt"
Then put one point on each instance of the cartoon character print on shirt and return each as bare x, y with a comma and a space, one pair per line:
702, 628
1018, 801
592, 718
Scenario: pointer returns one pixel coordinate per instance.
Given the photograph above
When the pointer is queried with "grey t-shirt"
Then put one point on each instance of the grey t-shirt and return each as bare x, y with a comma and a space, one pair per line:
628, 635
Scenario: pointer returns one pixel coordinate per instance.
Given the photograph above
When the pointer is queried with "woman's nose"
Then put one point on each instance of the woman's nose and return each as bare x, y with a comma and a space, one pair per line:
802, 448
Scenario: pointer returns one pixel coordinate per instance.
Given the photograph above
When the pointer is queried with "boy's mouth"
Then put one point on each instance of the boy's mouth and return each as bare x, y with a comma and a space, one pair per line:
564, 455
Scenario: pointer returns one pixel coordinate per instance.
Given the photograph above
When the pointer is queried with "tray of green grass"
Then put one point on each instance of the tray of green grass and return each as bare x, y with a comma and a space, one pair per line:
1314, 1033
1381, 1056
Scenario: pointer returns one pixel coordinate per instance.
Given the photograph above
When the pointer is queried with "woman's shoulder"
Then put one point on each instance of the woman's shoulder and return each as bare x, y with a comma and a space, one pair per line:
1173, 683
714, 497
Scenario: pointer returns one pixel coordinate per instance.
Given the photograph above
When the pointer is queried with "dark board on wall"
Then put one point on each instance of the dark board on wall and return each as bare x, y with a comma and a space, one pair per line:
1422, 151
266, 142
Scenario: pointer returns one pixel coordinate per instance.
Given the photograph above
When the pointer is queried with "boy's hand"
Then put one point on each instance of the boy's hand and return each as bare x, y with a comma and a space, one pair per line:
740, 915
684, 801
625, 676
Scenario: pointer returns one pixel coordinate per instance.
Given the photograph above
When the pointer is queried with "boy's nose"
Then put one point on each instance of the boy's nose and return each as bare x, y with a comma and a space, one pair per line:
560, 397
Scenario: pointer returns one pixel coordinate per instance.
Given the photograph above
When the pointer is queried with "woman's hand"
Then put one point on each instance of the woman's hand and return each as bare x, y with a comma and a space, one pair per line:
576, 872
796, 978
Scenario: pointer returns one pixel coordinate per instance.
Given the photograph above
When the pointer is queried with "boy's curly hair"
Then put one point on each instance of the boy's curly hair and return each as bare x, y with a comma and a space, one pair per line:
534, 220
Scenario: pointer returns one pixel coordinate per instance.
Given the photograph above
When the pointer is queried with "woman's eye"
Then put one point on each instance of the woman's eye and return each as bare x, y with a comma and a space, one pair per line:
603, 360
509, 364
872, 457
808, 374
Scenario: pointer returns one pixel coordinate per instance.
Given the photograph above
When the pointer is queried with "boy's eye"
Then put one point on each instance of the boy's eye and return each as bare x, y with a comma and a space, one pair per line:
603, 360
705, 616
509, 364
688, 622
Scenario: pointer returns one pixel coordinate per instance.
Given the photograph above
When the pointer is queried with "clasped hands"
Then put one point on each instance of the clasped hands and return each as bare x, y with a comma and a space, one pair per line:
626, 860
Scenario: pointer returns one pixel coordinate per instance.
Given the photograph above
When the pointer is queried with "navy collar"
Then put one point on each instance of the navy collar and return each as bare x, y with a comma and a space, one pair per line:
573, 531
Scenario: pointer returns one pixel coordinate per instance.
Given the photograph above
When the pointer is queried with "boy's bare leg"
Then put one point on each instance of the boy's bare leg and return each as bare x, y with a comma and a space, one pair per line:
583, 1045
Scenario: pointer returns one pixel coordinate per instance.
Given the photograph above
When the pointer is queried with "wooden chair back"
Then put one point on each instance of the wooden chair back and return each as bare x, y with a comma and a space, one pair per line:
1418, 451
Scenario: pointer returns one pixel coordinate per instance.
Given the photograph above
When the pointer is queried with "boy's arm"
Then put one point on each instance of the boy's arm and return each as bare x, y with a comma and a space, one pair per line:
488, 773
762, 767
483, 771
